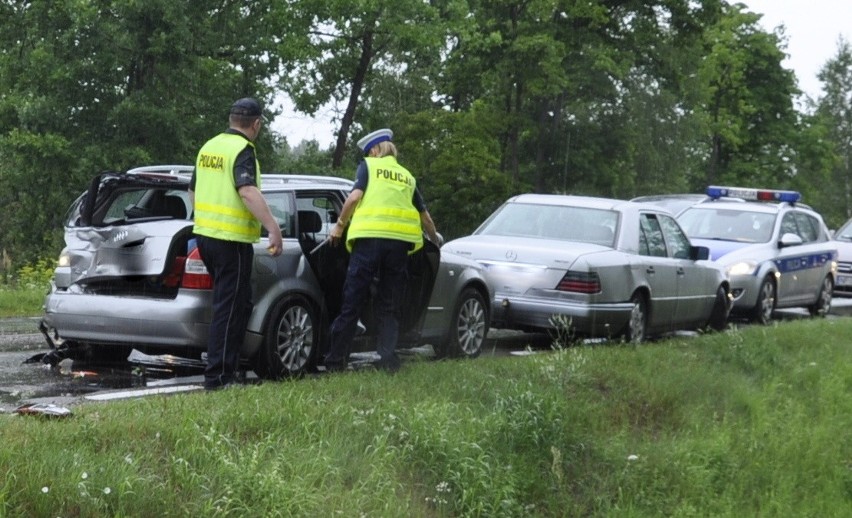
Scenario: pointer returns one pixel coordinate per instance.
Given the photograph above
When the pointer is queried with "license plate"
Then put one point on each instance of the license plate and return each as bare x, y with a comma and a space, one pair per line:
844, 280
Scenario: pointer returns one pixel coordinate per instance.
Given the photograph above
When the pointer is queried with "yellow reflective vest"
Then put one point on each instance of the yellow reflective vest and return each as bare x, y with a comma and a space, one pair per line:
219, 210
385, 210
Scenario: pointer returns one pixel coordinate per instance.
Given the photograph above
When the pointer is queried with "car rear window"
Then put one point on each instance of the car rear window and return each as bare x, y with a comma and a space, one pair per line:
564, 223
132, 206
125, 207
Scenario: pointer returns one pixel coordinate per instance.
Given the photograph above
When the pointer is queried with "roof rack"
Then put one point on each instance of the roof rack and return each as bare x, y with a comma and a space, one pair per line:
282, 179
268, 179
170, 169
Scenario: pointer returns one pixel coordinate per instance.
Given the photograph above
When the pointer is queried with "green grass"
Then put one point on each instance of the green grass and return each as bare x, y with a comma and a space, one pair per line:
753, 422
21, 302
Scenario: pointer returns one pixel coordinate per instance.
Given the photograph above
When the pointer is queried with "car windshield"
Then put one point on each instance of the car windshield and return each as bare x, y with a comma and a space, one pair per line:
845, 232
553, 222
674, 204
727, 224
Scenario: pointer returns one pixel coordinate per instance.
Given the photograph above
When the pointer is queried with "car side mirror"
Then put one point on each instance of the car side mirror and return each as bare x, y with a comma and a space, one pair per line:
699, 253
789, 239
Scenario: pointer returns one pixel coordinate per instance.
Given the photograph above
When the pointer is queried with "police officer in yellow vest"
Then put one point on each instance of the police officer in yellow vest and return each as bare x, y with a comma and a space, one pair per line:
229, 211
386, 217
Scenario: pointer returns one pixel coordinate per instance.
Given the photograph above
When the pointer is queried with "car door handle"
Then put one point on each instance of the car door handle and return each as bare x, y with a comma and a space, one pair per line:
680, 271
649, 270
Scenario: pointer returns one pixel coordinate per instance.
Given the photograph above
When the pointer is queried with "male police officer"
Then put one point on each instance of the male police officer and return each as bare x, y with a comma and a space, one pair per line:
388, 217
229, 210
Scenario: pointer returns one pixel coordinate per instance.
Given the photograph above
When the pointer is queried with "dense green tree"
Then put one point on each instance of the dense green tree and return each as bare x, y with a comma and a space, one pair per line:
589, 94
487, 99
814, 159
90, 85
834, 114
351, 47
454, 157
745, 98
520, 58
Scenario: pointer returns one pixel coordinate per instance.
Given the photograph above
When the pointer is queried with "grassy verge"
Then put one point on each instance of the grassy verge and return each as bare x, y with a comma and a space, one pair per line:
21, 302
744, 423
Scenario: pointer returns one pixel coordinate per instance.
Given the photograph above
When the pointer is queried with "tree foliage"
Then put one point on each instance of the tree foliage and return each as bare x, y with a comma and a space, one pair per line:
349, 46
96, 85
487, 98
833, 121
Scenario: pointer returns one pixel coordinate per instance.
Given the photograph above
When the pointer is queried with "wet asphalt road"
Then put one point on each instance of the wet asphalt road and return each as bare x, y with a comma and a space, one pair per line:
24, 381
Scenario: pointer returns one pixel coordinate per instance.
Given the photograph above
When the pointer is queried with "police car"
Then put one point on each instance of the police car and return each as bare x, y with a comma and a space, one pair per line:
777, 252
843, 240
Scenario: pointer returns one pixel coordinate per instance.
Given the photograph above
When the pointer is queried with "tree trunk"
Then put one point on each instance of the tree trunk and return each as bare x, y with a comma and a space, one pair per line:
354, 95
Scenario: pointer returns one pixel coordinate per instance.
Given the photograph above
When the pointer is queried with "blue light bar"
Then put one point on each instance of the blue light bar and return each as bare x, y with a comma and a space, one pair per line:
717, 192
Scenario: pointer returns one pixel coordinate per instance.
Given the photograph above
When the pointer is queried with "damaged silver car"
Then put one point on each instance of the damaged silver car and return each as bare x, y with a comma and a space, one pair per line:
129, 278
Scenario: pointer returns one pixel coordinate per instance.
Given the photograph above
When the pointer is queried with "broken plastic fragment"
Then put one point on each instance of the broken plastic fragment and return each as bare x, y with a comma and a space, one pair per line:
46, 409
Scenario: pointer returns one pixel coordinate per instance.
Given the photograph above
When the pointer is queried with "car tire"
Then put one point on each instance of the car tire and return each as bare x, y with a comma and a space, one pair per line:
291, 341
765, 306
637, 326
822, 306
721, 307
468, 326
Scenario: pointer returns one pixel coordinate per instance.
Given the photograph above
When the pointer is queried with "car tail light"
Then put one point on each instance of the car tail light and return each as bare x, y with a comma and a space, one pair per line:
195, 275
580, 282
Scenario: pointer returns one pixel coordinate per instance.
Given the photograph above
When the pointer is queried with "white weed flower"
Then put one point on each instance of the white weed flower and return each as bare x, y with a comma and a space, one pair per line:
84, 475
107, 490
128, 459
632, 457
45, 489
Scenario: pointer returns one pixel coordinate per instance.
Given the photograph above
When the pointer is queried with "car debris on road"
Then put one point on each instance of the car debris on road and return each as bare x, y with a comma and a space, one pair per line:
43, 409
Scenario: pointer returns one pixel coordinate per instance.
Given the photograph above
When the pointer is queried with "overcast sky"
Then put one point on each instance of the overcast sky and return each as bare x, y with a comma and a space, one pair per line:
812, 28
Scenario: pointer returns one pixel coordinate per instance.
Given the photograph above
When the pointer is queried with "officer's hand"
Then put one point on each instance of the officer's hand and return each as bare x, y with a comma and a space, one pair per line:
336, 233
276, 244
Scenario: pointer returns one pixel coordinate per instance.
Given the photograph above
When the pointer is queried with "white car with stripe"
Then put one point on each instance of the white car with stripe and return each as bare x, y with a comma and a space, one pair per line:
777, 252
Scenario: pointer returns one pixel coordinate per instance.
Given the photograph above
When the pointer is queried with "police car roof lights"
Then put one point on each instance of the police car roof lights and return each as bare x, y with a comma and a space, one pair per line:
717, 192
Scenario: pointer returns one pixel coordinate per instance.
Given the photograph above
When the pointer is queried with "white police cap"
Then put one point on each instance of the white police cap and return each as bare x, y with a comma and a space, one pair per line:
374, 138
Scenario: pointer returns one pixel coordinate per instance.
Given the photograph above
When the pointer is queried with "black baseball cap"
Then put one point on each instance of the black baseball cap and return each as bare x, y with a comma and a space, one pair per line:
246, 106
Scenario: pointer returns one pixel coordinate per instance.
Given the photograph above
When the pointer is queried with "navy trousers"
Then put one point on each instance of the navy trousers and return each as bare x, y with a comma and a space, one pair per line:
372, 258
229, 264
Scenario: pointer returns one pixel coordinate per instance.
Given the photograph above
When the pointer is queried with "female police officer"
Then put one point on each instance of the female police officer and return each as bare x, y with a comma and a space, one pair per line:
388, 217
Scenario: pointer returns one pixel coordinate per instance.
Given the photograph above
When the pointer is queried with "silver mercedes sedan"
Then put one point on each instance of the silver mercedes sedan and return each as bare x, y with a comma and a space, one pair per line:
604, 268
